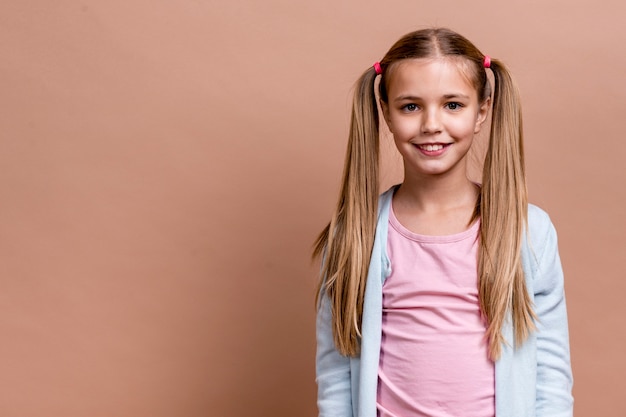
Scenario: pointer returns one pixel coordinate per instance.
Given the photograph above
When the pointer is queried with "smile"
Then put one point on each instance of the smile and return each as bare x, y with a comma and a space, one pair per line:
432, 147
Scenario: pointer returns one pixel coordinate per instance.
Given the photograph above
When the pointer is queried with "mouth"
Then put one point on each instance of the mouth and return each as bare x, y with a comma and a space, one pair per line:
432, 147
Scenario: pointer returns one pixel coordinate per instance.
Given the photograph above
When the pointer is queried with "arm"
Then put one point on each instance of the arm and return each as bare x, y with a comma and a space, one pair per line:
334, 398
554, 374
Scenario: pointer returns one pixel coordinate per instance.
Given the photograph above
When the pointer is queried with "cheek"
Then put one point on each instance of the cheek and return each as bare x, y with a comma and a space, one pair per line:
404, 127
464, 127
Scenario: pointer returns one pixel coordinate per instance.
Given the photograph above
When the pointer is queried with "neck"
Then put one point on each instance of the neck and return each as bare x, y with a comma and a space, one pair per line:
437, 193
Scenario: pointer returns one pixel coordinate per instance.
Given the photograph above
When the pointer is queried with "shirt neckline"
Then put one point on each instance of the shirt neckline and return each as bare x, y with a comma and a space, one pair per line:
470, 232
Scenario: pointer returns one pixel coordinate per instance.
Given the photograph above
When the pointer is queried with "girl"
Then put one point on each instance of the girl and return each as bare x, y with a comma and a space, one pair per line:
441, 297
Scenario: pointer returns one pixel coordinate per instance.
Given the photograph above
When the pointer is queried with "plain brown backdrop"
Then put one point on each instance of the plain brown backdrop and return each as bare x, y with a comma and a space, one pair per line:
166, 165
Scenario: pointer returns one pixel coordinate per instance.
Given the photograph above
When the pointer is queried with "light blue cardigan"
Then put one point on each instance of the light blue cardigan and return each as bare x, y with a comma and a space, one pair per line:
532, 380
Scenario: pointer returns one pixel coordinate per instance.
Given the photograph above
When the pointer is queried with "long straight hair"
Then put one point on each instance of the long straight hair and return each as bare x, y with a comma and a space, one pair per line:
346, 242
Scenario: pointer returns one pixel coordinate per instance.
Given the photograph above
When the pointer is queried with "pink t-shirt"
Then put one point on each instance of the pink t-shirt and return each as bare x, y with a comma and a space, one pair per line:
433, 359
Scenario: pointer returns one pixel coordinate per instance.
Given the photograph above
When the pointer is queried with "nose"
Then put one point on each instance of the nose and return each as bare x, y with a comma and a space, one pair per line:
431, 123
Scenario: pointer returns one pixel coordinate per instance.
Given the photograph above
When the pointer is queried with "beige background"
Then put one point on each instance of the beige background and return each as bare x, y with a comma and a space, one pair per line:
166, 165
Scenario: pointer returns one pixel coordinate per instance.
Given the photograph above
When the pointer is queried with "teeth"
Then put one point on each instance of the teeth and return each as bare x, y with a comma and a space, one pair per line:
430, 147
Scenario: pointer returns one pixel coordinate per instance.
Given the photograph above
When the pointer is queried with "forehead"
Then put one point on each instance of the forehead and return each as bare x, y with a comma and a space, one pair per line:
430, 75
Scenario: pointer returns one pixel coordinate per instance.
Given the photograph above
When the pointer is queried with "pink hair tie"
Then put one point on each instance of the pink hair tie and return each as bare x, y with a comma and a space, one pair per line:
377, 68
487, 62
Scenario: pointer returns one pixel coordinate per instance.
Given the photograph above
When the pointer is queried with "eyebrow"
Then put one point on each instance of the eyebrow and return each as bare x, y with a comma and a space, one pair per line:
446, 96
403, 98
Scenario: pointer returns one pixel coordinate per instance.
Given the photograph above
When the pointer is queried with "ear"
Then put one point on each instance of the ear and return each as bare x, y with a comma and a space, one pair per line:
483, 111
385, 108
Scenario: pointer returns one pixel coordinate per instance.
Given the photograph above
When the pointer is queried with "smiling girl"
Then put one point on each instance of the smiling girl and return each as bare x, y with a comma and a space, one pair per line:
440, 297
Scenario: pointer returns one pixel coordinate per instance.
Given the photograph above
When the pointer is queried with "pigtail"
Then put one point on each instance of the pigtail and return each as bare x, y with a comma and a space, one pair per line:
503, 212
346, 243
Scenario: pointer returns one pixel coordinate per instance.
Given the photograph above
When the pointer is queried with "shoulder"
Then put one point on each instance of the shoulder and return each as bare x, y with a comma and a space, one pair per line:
537, 217
540, 243
540, 227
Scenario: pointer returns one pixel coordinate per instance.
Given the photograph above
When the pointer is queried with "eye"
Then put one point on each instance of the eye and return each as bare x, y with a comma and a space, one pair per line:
453, 106
410, 107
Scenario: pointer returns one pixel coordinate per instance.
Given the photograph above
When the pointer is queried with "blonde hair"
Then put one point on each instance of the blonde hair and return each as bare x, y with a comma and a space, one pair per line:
346, 242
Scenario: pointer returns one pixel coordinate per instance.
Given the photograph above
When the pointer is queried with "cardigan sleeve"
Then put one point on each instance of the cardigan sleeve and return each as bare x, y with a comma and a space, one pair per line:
554, 375
334, 392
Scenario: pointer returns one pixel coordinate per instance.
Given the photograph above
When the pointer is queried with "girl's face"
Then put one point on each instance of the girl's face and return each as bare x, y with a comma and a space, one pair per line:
433, 112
